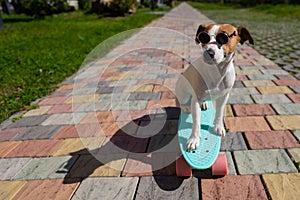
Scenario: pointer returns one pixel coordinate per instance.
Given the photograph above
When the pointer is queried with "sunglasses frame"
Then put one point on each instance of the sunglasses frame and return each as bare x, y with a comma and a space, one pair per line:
221, 38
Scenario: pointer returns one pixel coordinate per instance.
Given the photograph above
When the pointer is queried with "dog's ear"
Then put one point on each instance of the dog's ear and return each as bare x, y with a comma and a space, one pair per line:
245, 35
201, 28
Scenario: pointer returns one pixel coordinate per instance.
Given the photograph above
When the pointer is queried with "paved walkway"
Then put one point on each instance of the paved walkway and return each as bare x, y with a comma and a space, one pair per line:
108, 132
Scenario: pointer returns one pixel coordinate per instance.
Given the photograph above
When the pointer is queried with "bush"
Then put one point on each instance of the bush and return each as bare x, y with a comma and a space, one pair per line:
41, 8
84, 4
113, 8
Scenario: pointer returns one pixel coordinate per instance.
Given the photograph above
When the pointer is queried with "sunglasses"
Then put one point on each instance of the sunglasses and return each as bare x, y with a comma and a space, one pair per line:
221, 38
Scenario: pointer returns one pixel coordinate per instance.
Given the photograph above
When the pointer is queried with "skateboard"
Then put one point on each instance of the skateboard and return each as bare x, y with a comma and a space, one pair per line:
207, 155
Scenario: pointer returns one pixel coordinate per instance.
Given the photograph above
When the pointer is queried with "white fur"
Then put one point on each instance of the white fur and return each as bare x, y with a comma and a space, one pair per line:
206, 80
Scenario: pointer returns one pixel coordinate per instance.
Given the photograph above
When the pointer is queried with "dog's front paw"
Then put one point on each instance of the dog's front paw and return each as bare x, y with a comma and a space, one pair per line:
220, 130
192, 143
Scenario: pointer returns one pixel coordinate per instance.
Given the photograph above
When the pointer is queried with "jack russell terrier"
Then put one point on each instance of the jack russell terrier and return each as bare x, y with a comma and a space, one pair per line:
210, 77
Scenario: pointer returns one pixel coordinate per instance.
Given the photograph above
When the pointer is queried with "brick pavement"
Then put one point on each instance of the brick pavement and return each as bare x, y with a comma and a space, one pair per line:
108, 132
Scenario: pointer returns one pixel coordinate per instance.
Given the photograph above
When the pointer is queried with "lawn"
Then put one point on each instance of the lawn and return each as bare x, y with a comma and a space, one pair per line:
36, 55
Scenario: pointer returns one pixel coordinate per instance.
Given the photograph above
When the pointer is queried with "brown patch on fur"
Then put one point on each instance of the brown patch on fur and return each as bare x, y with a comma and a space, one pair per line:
232, 41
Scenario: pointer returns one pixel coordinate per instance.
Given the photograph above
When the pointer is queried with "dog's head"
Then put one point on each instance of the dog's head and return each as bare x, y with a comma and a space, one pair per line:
219, 41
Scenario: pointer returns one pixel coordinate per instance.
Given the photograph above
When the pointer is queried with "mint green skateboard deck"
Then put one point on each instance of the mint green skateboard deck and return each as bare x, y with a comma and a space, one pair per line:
209, 147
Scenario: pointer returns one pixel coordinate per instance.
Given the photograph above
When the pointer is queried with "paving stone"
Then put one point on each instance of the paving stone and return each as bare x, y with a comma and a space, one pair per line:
247, 72
294, 97
263, 162
284, 122
271, 140
270, 98
287, 109
29, 121
96, 165
64, 119
83, 99
240, 99
34, 148
157, 127
129, 105
63, 108
297, 134
233, 187
242, 124
295, 154
274, 71
10, 167
37, 132
252, 67
8, 189
230, 163
68, 131
53, 100
253, 110
255, 83
274, 90
163, 143
243, 91
139, 88
111, 188
47, 189
8, 134
233, 142
261, 77
6, 147
151, 164
39, 111
164, 103
144, 96
162, 187
296, 89
287, 82
283, 186
46, 168
68, 146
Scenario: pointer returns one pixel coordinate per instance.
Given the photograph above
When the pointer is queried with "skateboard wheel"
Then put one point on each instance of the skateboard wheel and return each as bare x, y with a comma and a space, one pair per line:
182, 168
220, 168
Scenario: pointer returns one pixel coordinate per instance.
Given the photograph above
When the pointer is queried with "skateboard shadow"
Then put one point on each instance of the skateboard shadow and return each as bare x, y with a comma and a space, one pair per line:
83, 163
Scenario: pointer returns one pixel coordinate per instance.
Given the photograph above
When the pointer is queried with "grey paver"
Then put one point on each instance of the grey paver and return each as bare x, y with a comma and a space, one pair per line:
270, 98
243, 91
240, 99
264, 162
295, 88
29, 121
287, 109
167, 188
37, 132
64, 119
261, 77
10, 167
144, 96
46, 168
230, 163
233, 142
107, 188
297, 134
275, 72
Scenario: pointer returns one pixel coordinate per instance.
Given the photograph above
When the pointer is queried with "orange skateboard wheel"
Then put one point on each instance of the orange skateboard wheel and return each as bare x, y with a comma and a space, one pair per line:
220, 168
182, 168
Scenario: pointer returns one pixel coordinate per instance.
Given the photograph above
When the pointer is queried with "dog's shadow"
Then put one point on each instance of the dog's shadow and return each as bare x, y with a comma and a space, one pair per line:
147, 151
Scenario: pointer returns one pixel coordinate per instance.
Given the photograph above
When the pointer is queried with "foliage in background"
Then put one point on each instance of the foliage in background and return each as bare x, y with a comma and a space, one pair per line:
113, 8
36, 55
41, 8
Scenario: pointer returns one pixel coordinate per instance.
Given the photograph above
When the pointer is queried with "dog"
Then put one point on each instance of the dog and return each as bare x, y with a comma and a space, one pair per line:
212, 76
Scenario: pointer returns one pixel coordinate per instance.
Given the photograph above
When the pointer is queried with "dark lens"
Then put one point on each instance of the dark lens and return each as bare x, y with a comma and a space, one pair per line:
204, 37
222, 38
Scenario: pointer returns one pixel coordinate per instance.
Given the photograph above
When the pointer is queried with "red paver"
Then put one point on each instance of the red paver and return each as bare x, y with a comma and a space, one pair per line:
253, 110
242, 124
6, 147
9, 133
287, 82
63, 108
271, 140
47, 189
168, 95
294, 97
54, 100
68, 131
233, 188
34, 148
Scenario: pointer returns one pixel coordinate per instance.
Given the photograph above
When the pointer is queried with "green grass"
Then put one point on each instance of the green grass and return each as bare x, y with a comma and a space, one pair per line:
288, 11
36, 55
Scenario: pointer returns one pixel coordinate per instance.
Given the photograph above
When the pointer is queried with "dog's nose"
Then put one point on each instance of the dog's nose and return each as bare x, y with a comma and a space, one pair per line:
210, 52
